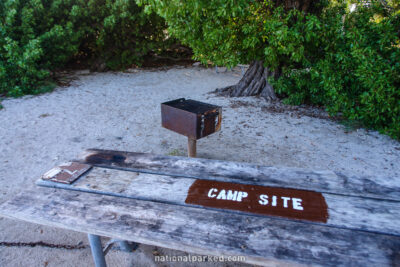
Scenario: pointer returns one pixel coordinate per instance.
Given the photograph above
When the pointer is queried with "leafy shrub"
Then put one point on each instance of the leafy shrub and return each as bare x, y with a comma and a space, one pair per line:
125, 35
348, 62
39, 36
357, 70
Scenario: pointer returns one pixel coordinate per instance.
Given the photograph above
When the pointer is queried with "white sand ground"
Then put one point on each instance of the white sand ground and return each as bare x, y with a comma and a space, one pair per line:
121, 111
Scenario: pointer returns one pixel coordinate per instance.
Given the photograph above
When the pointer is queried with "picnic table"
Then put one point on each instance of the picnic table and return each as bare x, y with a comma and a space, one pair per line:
271, 216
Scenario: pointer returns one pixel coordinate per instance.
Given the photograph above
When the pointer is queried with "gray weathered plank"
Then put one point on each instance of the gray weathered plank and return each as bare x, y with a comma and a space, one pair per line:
349, 212
263, 240
321, 181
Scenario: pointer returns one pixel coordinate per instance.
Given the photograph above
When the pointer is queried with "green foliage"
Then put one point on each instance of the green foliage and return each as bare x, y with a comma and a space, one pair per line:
39, 36
348, 62
217, 30
225, 32
176, 152
357, 70
126, 33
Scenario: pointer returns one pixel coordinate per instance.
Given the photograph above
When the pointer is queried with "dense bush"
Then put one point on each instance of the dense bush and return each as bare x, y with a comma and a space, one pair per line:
38, 36
321, 53
350, 65
348, 62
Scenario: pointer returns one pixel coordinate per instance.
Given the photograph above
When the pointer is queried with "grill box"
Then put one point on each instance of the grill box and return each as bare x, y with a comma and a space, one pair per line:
191, 118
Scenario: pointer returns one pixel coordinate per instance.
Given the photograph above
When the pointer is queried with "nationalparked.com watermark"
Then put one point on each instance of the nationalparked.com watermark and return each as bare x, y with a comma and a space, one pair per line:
199, 258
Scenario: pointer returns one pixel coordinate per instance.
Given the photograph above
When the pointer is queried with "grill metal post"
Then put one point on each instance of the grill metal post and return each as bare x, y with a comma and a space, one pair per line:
192, 148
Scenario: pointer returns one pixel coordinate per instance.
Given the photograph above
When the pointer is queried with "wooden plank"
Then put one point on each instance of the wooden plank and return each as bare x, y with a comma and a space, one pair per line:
263, 240
321, 181
366, 214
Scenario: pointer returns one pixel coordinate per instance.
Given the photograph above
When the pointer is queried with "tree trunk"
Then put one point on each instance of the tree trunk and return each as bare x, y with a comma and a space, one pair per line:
253, 83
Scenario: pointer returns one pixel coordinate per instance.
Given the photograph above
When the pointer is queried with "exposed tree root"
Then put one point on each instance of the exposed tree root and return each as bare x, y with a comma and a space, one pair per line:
253, 83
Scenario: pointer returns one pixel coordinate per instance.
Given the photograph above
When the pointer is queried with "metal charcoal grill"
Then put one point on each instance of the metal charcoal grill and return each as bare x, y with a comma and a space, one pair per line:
191, 118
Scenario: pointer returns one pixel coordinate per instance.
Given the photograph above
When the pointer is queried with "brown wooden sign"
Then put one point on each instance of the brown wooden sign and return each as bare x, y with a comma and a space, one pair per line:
283, 202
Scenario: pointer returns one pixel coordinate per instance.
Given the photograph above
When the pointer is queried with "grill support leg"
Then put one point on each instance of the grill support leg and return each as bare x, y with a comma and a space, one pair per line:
191, 148
97, 250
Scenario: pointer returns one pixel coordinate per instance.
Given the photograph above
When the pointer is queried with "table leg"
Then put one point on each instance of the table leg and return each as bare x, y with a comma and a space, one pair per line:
97, 250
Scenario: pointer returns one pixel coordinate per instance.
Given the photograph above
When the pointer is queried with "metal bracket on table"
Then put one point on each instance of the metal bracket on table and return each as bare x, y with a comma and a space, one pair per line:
99, 253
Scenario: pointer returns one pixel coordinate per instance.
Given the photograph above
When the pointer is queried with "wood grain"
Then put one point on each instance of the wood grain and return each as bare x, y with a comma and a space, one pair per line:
263, 240
321, 181
366, 214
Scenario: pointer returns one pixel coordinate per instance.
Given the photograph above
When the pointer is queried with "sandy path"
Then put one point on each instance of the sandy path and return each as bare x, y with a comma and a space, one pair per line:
121, 111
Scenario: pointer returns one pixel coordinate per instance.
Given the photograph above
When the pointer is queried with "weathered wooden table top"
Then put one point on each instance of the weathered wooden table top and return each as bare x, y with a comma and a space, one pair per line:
272, 216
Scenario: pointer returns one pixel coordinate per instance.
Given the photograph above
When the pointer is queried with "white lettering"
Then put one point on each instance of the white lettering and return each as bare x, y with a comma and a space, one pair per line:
263, 200
211, 192
297, 204
231, 195
222, 195
285, 201
241, 195
273, 201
